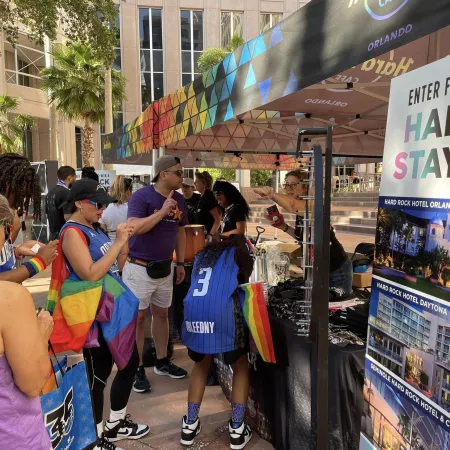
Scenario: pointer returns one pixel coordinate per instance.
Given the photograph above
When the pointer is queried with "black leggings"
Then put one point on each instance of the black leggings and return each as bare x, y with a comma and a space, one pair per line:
99, 363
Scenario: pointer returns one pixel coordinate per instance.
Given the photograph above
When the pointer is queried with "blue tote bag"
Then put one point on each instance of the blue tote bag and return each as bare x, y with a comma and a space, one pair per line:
67, 410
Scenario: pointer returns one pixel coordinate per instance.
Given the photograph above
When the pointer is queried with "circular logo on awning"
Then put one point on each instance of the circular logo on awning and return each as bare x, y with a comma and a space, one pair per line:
384, 9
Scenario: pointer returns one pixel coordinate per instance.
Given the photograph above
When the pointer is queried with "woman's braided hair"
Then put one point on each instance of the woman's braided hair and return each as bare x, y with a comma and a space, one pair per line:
19, 183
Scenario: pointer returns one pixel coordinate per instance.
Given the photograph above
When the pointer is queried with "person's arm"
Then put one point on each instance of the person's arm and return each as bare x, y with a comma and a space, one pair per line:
245, 263
25, 339
137, 211
46, 252
77, 253
217, 218
291, 204
240, 229
17, 227
122, 258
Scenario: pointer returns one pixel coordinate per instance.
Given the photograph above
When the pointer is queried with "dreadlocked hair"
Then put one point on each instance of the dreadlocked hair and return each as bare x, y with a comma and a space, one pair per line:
212, 252
19, 183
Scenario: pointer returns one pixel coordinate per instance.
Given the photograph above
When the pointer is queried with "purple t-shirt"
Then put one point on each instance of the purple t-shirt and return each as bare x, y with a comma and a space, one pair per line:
158, 243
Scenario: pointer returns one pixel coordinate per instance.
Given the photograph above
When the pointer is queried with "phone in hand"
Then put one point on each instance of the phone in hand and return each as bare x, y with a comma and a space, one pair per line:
275, 216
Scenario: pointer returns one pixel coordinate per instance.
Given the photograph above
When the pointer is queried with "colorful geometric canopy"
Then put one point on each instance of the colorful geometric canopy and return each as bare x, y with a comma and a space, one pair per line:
285, 79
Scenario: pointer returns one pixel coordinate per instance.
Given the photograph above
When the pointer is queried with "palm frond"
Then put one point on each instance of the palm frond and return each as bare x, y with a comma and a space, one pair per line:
76, 82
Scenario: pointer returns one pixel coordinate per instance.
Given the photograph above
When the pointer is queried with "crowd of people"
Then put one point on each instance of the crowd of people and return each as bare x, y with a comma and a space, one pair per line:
132, 238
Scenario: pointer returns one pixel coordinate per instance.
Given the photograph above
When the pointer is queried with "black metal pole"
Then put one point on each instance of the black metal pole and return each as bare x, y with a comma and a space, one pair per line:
320, 290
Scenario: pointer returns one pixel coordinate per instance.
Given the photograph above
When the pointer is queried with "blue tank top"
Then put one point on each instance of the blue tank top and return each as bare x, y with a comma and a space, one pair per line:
98, 244
7, 258
209, 325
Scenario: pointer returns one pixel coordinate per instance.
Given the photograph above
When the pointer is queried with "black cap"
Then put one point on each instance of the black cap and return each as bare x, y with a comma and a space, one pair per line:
87, 189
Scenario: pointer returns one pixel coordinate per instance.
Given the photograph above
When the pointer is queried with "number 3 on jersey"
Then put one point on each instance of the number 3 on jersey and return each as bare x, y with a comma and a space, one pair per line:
203, 281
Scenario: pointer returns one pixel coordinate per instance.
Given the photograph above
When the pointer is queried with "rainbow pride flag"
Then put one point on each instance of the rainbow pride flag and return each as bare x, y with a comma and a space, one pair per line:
251, 297
80, 307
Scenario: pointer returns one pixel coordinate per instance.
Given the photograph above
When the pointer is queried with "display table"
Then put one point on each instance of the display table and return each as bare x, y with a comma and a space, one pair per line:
279, 407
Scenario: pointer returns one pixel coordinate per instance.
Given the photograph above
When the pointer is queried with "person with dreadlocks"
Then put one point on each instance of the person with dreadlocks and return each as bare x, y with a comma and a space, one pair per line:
19, 184
214, 323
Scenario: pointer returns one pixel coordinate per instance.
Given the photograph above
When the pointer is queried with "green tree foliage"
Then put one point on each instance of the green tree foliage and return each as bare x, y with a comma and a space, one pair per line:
227, 174
214, 55
76, 86
210, 57
260, 177
81, 20
12, 125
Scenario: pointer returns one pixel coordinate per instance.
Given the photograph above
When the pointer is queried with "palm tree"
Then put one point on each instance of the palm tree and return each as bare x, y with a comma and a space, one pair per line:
404, 424
408, 237
12, 125
76, 85
214, 55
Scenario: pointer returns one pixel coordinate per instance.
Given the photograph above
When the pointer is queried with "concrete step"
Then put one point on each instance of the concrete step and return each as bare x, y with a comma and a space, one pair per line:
360, 229
361, 213
356, 194
355, 198
357, 204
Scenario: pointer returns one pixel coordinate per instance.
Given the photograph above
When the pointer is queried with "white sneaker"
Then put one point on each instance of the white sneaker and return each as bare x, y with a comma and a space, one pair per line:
124, 429
188, 432
239, 437
104, 444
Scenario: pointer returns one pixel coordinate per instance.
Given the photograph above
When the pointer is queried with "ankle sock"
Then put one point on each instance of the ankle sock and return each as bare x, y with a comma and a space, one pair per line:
115, 416
193, 410
237, 414
162, 362
99, 429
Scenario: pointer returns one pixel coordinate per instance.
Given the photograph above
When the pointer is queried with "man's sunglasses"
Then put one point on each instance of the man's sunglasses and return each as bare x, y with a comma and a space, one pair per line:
98, 205
177, 172
9, 228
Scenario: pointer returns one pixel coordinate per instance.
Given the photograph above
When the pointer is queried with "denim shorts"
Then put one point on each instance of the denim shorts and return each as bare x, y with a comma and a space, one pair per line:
343, 277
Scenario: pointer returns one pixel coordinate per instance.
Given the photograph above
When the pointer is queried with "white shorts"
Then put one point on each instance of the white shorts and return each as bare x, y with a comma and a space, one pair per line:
148, 290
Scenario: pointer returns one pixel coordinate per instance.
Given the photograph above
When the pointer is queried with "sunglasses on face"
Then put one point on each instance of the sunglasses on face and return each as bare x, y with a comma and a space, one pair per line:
8, 229
176, 172
97, 205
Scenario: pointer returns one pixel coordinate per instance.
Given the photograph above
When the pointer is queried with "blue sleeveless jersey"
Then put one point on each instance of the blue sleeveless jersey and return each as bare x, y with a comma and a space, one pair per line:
7, 258
209, 325
99, 244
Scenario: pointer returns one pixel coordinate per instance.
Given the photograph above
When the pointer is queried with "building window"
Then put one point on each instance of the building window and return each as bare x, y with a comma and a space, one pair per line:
231, 24
27, 143
151, 57
117, 64
268, 21
78, 148
23, 62
191, 44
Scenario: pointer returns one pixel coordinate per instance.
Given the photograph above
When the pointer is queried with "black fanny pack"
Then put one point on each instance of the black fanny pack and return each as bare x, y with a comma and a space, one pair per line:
159, 269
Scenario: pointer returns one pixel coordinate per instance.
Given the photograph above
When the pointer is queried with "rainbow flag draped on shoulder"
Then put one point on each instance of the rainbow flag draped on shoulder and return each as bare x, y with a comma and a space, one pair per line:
80, 307
251, 298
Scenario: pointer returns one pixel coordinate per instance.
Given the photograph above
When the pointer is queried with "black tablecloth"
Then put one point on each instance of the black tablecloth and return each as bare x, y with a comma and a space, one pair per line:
280, 395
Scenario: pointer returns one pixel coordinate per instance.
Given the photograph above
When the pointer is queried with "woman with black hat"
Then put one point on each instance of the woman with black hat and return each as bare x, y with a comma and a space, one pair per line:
90, 256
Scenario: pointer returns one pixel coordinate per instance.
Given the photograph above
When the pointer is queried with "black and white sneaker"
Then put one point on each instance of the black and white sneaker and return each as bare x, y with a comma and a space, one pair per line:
141, 383
188, 432
170, 370
124, 429
239, 437
103, 444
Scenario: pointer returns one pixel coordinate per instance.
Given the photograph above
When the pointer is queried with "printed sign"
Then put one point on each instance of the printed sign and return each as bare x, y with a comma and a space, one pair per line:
407, 379
106, 177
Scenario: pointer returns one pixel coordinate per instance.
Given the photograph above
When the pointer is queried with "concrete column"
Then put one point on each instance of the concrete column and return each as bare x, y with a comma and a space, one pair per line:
67, 143
162, 152
154, 158
172, 55
130, 59
370, 168
97, 147
243, 178
2, 66
211, 24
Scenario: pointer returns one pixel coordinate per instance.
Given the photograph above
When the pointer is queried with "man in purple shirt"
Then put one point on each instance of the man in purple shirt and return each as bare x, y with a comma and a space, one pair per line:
159, 215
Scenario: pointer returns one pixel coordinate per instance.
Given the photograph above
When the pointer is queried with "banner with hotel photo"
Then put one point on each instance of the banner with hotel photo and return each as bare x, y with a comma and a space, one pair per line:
407, 380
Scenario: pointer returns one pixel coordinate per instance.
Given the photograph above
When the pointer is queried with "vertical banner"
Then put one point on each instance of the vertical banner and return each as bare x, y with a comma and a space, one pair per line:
407, 378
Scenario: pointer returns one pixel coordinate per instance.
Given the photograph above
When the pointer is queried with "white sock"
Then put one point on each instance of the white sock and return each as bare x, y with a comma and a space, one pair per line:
115, 416
99, 429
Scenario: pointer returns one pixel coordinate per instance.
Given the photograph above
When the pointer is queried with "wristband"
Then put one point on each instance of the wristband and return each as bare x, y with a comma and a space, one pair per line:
35, 265
181, 264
